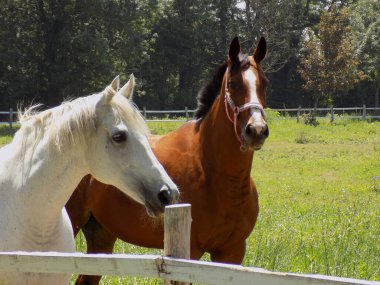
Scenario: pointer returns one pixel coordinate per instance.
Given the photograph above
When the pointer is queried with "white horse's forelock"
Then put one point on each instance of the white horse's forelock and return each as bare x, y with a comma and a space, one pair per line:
70, 122
129, 111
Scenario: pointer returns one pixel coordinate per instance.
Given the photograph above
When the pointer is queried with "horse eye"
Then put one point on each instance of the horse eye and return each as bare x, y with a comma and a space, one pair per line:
119, 137
246, 66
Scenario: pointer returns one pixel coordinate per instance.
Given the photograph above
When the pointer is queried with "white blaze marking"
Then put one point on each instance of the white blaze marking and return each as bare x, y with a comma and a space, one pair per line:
250, 77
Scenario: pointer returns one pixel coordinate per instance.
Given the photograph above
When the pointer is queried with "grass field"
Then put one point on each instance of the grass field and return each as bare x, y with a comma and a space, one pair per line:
319, 193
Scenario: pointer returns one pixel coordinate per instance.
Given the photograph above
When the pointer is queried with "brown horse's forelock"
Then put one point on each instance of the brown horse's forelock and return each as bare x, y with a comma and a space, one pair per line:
242, 60
208, 93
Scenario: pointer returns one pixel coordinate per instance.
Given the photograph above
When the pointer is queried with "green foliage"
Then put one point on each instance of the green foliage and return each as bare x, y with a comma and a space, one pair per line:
54, 50
58, 49
159, 128
366, 29
309, 119
6, 134
301, 138
272, 115
328, 64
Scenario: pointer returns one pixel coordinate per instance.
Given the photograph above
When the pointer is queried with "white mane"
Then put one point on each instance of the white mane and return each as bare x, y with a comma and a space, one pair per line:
71, 121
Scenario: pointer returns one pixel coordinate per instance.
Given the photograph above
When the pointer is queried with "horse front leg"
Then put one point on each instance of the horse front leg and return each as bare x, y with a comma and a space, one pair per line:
233, 253
99, 240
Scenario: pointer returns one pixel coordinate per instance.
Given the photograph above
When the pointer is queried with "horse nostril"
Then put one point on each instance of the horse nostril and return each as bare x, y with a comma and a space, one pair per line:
266, 131
165, 196
250, 130
257, 130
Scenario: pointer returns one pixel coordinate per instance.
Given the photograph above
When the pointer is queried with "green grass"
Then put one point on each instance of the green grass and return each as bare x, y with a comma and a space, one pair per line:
6, 134
319, 193
319, 200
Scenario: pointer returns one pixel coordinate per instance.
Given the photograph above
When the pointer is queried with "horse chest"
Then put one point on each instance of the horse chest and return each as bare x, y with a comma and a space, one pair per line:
18, 236
228, 219
23, 233
234, 222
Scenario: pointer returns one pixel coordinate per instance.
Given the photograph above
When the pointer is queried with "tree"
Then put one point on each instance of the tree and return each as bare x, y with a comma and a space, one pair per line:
19, 52
191, 38
328, 64
366, 27
281, 22
55, 49
52, 50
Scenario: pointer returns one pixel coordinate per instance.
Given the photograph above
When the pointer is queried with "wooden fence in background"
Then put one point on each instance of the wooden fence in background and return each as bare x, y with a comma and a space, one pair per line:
332, 113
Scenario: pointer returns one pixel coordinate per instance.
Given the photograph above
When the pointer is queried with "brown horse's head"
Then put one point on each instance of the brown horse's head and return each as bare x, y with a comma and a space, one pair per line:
245, 94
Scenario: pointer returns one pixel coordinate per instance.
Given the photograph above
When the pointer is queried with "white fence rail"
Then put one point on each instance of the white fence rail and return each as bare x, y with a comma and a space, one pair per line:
363, 113
159, 267
177, 222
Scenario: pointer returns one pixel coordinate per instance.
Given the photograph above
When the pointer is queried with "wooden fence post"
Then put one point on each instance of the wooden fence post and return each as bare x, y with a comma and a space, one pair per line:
364, 113
298, 114
177, 227
10, 118
332, 114
187, 113
144, 113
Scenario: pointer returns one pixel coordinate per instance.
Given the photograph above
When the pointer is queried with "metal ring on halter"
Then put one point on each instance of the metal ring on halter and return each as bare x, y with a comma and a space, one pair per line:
243, 148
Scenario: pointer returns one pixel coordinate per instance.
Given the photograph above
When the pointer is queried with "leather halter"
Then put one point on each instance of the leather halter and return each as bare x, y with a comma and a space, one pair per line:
237, 110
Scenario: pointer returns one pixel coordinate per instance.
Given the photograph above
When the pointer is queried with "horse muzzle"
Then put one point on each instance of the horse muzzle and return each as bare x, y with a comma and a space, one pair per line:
165, 197
255, 135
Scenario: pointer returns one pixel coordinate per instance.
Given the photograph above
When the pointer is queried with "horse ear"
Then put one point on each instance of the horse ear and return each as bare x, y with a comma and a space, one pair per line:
234, 49
115, 84
127, 89
260, 51
111, 89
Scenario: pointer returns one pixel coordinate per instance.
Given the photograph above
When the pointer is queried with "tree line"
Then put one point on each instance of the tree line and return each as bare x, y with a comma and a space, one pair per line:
320, 52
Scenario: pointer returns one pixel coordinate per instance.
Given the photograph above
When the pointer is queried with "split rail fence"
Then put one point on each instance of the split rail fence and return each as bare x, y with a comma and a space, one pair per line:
361, 113
173, 266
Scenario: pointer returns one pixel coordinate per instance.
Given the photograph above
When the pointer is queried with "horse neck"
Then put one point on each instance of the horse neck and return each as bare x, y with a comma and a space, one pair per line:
221, 149
44, 178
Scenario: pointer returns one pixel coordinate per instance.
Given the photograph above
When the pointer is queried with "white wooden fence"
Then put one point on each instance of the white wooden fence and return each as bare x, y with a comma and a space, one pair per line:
159, 267
176, 221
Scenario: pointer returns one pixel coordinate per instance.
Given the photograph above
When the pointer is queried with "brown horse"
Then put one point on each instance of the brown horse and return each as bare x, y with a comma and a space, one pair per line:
209, 158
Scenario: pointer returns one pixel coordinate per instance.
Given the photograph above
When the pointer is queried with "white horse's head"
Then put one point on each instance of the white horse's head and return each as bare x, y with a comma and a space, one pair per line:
118, 153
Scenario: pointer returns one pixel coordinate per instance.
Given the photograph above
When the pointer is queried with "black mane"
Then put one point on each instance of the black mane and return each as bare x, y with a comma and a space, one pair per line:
209, 92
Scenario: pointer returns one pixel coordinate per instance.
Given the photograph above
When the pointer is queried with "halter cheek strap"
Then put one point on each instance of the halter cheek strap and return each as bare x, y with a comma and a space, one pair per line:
236, 111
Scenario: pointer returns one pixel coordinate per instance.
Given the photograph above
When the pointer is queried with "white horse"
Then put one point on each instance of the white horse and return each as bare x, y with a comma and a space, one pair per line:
102, 134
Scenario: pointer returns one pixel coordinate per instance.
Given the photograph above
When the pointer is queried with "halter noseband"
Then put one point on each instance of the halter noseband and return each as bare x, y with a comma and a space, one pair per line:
237, 110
